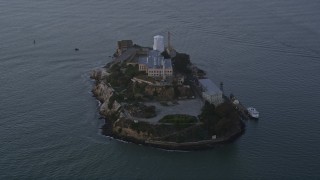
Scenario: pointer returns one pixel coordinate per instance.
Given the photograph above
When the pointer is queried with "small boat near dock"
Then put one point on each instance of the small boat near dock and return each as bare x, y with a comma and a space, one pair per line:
253, 113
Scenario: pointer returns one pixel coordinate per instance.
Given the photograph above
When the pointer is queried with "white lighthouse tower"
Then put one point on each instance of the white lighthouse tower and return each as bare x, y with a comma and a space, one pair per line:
158, 43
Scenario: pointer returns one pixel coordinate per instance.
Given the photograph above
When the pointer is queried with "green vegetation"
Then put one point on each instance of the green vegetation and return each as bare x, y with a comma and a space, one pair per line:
120, 79
176, 91
115, 97
121, 74
181, 62
220, 120
139, 88
113, 117
209, 118
141, 127
131, 71
178, 119
165, 55
190, 134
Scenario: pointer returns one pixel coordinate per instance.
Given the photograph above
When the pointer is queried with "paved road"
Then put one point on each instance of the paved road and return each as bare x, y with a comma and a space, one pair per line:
190, 107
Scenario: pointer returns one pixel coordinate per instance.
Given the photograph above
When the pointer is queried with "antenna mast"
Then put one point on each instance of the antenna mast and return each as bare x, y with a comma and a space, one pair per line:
169, 38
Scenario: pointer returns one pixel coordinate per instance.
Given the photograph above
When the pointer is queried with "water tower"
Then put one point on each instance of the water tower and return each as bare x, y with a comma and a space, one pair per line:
158, 43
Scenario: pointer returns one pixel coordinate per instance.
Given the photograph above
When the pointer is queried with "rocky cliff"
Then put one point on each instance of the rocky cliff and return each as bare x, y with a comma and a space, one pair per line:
103, 93
99, 74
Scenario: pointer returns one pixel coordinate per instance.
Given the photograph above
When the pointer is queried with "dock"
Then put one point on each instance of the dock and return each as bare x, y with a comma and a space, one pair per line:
242, 110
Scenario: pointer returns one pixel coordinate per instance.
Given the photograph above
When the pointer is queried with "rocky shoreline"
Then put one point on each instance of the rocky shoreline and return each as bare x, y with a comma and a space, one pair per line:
187, 146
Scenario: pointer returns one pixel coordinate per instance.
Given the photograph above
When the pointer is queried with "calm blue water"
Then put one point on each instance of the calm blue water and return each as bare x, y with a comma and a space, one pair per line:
266, 52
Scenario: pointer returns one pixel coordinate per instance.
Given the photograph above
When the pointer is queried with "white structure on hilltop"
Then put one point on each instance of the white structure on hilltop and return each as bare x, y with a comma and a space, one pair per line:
210, 92
154, 64
158, 43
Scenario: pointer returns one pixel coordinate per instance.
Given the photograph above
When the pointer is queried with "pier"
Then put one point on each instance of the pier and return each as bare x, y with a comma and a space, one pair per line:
242, 110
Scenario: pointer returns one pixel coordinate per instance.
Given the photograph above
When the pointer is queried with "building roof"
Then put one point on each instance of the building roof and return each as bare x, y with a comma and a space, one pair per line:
209, 86
155, 60
158, 36
125, 44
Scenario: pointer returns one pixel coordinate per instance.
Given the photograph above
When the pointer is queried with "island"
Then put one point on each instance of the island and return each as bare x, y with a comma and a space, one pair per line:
158, 97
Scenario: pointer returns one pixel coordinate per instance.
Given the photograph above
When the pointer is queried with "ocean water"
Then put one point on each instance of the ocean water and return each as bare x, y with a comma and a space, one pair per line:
266, 52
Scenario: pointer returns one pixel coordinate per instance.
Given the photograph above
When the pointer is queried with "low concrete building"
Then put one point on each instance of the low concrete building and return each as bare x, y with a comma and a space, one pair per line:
123, 45
210, 92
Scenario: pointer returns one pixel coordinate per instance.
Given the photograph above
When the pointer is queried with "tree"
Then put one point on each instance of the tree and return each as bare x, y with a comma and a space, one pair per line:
181, 62
131, 71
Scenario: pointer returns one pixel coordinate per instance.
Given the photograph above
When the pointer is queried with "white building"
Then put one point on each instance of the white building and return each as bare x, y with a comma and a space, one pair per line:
210, 92
155, 65
158, 43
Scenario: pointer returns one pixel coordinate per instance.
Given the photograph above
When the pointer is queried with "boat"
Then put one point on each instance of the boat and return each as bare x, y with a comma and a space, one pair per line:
253, 113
